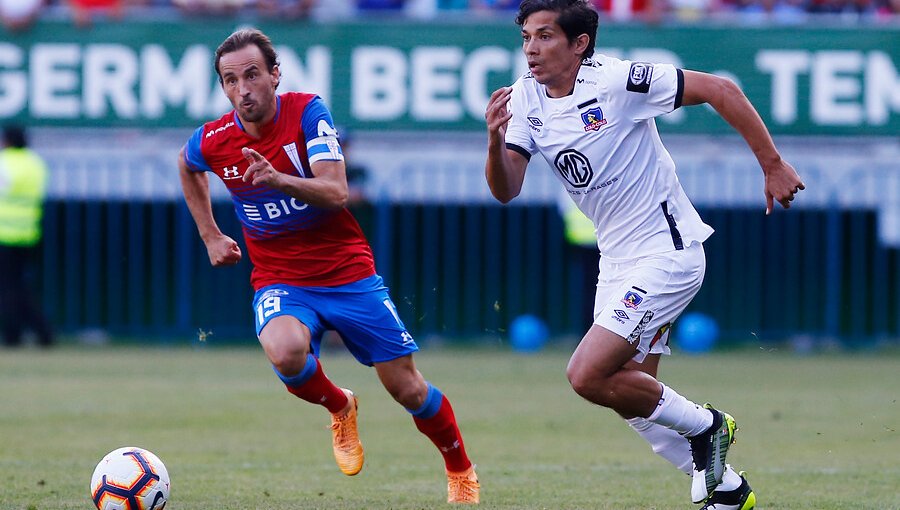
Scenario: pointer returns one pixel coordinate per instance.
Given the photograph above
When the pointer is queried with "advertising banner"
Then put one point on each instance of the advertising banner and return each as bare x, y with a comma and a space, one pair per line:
413, 76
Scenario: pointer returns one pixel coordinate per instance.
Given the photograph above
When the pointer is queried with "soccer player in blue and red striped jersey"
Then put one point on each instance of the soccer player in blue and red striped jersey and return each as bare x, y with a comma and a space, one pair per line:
279, 157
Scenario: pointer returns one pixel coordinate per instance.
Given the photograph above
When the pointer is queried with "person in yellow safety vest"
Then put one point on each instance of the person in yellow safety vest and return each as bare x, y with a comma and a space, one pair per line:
579, 228
23, 183
581, 252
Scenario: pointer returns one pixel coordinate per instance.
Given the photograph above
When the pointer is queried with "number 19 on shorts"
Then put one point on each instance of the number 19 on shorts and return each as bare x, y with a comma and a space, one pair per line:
267, 307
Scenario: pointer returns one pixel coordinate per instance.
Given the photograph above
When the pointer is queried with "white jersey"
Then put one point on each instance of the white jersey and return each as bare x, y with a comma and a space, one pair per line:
602, 142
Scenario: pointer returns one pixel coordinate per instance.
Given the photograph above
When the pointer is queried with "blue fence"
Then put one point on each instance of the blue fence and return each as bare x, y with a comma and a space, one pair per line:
138, 268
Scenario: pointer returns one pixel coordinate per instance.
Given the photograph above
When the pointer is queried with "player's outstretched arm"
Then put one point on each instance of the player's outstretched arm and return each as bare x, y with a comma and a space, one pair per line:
504, 169
328, 189
222, 250
782, 181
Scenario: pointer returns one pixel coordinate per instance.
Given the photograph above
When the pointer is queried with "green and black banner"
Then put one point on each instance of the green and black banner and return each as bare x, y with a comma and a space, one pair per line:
805, 80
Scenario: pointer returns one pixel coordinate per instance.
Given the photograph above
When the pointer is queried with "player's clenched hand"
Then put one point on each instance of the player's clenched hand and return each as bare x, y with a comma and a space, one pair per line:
223, 251
496, 114
260, 170
782, 184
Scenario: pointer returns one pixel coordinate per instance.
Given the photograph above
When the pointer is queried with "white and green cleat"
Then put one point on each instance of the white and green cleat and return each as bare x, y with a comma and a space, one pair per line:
709, 450
742, 498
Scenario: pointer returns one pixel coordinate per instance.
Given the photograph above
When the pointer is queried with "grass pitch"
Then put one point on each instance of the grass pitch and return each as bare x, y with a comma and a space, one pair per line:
818, 432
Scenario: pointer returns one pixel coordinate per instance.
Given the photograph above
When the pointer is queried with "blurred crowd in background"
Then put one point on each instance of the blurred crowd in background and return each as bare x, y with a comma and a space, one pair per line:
18, 15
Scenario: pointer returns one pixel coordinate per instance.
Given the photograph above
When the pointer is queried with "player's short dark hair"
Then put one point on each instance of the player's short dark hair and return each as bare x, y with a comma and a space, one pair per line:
244, 38
575, 17
14, 136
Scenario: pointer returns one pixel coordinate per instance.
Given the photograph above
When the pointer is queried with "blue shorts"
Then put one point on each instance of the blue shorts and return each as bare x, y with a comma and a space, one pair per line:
361, 312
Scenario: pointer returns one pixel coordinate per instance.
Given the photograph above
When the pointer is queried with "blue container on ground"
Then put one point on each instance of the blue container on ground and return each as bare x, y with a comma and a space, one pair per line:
696, 333
528, 333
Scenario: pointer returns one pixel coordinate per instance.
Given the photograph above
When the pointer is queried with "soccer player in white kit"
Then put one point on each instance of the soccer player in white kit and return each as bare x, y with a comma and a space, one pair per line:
592, 119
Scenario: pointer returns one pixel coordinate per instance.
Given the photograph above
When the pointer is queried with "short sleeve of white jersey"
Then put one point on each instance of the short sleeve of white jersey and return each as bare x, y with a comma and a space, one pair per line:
649, 90
518, 133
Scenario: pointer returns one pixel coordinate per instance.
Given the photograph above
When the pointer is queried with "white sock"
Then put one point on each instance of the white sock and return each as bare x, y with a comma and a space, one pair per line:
666, 443
680, 414
730, 480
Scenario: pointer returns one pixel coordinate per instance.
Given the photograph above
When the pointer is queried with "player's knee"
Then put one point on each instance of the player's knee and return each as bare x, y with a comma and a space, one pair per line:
410, 398
579, 379
408, 392
589, 385
289, 360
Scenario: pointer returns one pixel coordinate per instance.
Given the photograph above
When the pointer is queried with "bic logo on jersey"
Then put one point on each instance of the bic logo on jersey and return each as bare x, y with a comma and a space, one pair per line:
574, 167
273, 209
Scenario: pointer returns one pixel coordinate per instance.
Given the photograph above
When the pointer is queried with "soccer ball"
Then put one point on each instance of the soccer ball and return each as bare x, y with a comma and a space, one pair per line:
130, 478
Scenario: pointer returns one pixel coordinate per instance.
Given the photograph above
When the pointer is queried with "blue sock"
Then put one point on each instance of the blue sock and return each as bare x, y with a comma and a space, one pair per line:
431, 405
298, 380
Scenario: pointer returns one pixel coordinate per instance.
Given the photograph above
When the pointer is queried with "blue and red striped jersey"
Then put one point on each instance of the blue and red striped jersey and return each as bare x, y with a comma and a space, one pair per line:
288, 241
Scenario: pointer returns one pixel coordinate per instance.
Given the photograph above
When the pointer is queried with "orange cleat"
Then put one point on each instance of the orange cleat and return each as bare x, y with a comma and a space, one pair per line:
463, 487
348, 451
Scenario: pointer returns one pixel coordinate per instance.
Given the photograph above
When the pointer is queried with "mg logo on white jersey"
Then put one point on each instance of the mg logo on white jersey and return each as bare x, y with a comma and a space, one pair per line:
574, 167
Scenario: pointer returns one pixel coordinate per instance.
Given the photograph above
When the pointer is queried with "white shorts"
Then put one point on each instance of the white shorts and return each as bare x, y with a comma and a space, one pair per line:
640, 298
